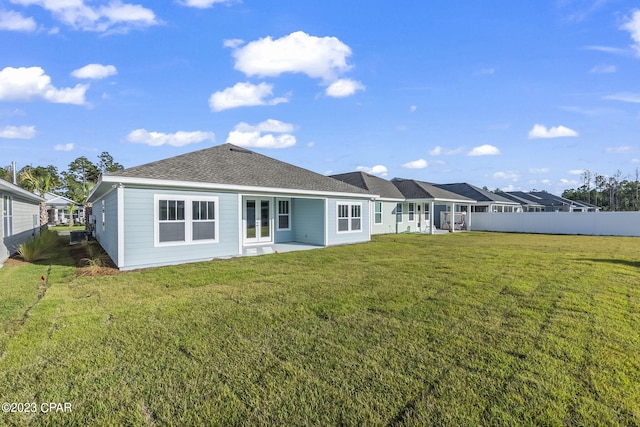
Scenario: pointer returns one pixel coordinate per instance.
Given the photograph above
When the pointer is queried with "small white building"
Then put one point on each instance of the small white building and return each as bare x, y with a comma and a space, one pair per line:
59, 210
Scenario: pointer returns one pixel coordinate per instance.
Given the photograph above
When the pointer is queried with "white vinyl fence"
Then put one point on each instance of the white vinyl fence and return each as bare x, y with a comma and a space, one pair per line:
591, 223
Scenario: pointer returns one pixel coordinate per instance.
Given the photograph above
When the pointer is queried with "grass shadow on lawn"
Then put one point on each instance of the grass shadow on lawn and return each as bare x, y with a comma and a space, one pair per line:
625, 262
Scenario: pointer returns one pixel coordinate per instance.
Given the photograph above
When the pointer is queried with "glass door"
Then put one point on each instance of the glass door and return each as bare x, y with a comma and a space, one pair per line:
258, 220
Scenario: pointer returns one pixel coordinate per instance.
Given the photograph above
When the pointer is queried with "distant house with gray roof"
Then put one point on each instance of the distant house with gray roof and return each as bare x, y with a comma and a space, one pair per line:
547, 202
486, 201
389, 210
220, 202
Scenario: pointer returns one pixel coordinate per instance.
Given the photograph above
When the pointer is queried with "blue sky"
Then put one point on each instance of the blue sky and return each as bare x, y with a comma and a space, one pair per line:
512, 95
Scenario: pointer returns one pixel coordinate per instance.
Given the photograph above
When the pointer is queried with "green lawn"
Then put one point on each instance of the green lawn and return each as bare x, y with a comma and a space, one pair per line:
457, 329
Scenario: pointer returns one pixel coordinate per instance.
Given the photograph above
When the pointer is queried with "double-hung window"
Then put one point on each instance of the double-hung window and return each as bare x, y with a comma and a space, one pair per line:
399, 212
349, 217
412, 211
284, 215
204, 220
378, 213
7, 215
181, 220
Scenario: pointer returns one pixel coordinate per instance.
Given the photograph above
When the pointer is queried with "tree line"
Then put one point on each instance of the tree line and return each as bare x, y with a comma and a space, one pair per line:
616, 192
75, 183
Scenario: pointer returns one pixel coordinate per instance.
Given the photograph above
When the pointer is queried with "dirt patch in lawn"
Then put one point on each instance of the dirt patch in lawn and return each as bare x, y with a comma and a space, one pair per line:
91, 260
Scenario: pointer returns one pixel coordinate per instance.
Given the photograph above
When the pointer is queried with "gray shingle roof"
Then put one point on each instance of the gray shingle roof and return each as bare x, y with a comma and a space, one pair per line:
475, 193
412, 189
374, 184
231, 165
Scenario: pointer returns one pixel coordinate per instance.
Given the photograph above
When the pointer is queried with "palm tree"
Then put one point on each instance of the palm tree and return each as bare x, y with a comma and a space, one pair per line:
39, 184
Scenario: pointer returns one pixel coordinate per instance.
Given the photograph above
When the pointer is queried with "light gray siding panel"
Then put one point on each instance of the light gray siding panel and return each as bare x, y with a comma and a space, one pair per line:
108, 238
25, 224
308, 221
336, 238
139, 246
388, 219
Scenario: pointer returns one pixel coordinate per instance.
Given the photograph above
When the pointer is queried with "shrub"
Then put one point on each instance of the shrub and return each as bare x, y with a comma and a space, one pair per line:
40, 247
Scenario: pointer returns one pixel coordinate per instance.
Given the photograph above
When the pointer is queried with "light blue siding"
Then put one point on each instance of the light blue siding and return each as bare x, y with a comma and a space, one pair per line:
25, 225
389, 221
107, 236
308, 221
139, 238
335, 238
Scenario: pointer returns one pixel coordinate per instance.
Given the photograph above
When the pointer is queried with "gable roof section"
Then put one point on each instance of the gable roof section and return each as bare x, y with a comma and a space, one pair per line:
521, 198
7, 187
232, 166
54, 199
475, 193
371, 183
412, 189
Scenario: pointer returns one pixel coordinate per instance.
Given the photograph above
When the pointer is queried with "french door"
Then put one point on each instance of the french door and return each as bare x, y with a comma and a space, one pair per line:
258, 224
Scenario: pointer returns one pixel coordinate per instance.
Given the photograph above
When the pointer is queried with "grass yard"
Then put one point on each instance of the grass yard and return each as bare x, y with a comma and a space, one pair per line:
458, 329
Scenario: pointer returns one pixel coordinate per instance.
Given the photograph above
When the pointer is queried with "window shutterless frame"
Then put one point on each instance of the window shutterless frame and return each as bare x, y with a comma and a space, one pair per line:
181, 220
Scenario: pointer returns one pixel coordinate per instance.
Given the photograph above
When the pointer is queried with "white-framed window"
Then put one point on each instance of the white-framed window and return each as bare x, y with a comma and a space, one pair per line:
349, 217
184, 220
377, 218
7, 215
104, 217
426, 211
284, 214
412, 211
399, 212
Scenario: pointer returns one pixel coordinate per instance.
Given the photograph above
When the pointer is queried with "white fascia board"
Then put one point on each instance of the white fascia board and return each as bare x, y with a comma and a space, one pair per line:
8, 187
227, 187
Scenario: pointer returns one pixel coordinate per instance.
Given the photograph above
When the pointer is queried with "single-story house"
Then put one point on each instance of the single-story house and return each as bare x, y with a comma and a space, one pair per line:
389, 209
222, 201
430, 206
553, 203
528, 204
20, 218
486, 200
59, 209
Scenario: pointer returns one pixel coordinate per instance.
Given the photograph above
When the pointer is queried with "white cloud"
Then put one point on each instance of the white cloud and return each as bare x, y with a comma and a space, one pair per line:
344, 87
608, 49
484, 150
632, 25
604, 69
514, 176
14, 21
413, 108
540, 131
436, 151
416, 164
635, 161
246, 135
576, 172
538, 170
95, 71
244, 95
202, 4
232, 43
178, 139
624, 97
24, 84
298, 52
114, 16
269, 125
565, 181
375, 170
18, 132
625, 149
63, 147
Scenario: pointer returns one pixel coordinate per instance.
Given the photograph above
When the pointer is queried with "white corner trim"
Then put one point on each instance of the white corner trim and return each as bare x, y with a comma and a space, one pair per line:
120, 201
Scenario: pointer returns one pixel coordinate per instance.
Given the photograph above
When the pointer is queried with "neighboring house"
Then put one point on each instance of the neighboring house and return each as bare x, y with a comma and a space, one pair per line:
59, 209
486, 200
553, 203
388, 209
20, 218
528, 204
220, 202
430, 206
